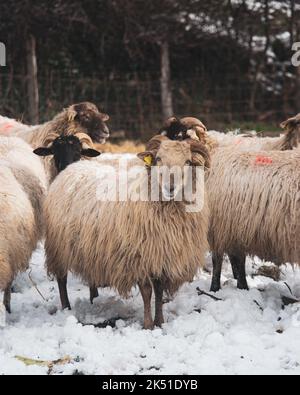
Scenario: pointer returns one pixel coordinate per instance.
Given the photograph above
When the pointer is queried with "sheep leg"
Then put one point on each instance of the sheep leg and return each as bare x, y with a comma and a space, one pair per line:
146, 291
93, 294
63, 292
217, 270
159, 291
235, 269
7, 298
238, 263
2, 312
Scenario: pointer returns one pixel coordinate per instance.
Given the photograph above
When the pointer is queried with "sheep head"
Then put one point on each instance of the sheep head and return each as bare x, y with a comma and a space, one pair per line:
87, 118
174, 129
292, 129
176, 159
68, 149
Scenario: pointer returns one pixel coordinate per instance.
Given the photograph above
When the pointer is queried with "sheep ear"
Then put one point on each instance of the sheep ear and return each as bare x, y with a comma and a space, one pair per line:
147, 157
90, 153
43, 151
104, 117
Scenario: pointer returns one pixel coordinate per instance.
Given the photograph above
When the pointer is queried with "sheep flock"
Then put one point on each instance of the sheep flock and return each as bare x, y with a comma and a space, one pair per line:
57, 188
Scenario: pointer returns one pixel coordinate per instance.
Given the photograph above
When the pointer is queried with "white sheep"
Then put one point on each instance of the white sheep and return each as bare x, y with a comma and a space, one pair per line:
251, 141
23, 187
124, 244
254, 202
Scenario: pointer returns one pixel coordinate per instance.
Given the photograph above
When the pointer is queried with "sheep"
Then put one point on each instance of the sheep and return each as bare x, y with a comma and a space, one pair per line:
23, 187
84, 118
254, 202
121, 244
22, 191
186, 128
174, 129
77, 118
66, 150
288, 141
10, 126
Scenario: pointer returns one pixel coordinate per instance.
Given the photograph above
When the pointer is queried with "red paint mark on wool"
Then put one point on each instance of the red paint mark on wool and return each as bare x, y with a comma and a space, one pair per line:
263, 160
5, 128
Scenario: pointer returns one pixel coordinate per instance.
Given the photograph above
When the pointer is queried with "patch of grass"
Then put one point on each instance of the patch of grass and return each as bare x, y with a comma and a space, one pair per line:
259, 127
126, 147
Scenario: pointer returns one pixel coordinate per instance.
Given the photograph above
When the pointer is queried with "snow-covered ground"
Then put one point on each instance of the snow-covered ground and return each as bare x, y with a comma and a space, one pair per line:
245, 333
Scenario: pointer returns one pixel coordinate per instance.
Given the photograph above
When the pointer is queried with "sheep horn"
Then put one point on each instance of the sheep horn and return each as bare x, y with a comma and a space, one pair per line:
85, 140
199, 149
154, 144
50, 138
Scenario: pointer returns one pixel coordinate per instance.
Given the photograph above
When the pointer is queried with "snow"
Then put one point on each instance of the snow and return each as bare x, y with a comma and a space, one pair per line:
245, 333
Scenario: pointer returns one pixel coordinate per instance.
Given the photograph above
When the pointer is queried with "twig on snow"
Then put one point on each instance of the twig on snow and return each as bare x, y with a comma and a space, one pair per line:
200, 293
36, 287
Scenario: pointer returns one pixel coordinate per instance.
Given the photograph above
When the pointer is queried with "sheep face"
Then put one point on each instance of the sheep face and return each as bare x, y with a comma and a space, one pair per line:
90, 121
66, 150
174, 164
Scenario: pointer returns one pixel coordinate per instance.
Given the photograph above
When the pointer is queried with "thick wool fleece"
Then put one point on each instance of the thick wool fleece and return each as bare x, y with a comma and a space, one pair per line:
120, 243
255, 206
22, 191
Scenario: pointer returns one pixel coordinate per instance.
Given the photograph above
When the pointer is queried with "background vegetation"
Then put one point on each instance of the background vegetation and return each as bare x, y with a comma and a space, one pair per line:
227, 61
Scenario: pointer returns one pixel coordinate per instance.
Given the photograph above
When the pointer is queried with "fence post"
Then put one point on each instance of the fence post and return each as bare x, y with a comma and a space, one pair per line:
32, 81
166, 89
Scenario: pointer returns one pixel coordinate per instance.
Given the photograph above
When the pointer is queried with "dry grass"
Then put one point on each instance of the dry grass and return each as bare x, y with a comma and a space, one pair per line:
128, 147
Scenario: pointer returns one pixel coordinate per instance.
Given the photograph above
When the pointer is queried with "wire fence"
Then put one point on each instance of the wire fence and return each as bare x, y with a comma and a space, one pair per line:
134, 105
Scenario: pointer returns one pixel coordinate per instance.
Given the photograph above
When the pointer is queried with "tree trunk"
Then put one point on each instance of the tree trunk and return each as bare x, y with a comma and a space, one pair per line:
2, 55
165, 82
32, 81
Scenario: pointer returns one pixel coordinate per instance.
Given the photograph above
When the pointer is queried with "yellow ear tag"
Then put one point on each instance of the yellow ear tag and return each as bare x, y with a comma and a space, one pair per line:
148, 160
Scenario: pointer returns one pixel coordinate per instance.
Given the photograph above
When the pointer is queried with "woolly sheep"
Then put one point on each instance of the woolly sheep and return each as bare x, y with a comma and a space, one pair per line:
187, 128
65, 150
82, 118
121, 244
9, 127
22, 190
288, 141
254, 210
78, 118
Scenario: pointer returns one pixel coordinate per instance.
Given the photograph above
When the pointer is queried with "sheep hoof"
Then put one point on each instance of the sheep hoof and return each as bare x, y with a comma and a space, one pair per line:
215, 288
66, 307
93, 294
158, 324
8, 309
243, 287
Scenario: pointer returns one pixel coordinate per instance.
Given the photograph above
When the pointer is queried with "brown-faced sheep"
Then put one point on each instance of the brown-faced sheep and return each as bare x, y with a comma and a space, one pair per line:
83, 118
254, 210
22, 190
123, 244
78, 118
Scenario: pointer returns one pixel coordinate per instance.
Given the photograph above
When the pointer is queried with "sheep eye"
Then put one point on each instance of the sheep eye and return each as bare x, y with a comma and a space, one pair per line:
157, 160
188, 163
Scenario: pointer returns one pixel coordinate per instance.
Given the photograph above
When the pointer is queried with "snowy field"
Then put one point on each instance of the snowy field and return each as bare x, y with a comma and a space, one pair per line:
245, 333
